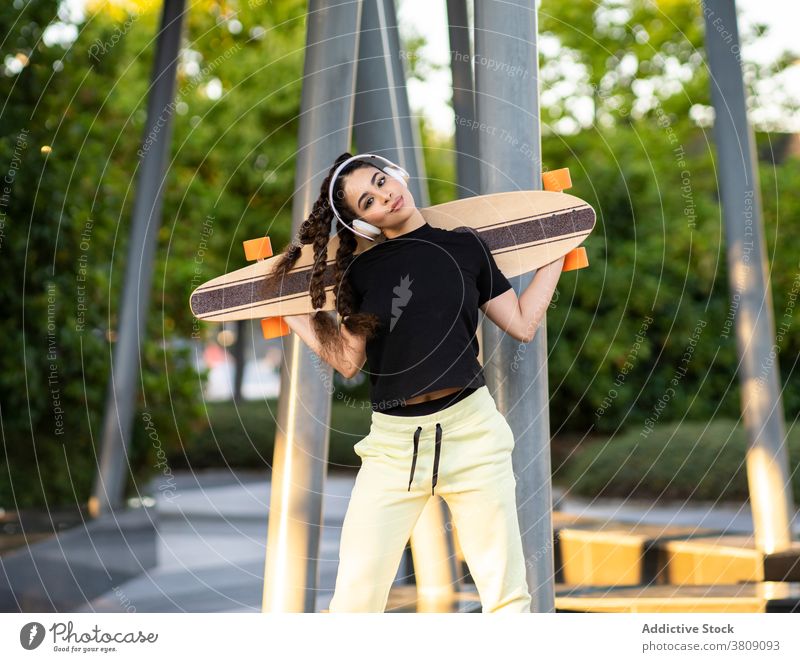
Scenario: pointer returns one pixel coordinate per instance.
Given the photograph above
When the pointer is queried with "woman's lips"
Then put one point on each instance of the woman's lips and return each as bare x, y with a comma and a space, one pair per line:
398, 204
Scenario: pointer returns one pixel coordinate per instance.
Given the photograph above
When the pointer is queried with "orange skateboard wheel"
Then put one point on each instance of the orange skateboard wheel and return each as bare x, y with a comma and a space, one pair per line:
556, 180
274, 327
257, 249
575, 259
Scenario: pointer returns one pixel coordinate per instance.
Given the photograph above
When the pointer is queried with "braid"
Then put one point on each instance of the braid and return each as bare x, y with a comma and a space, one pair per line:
315, 230
358, 323
320, 243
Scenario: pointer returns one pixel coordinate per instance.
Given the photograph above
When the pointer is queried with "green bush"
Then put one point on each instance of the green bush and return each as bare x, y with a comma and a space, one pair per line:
242, 436
674, 461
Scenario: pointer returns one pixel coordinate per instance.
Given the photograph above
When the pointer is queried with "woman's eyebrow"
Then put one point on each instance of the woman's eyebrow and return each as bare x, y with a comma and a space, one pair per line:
377, 172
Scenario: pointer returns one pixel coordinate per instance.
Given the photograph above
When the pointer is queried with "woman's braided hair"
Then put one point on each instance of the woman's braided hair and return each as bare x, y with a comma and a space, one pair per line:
316, 230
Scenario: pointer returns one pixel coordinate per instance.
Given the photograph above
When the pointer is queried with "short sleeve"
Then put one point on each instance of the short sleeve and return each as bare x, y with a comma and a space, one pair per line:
491, 281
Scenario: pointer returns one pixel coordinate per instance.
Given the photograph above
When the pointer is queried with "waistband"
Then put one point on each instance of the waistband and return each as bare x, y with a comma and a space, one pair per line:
455, 414
430, 406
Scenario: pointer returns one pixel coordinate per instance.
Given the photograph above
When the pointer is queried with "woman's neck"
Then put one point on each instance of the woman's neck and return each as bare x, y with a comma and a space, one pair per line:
410, 224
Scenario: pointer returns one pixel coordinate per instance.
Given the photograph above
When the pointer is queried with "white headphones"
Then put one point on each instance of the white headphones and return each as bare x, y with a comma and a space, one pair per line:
368, 231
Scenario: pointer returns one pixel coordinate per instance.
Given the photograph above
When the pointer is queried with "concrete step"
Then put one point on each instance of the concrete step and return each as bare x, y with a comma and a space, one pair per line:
597, 553
606, 553
725, 559
749, 597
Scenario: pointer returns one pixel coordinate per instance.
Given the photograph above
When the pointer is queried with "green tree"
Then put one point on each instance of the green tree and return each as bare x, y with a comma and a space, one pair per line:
72, 125
628, 58
645, 161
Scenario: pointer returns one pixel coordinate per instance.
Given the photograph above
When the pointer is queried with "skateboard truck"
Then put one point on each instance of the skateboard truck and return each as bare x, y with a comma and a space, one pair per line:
560, 180
274, 327
556, 180
256, 250
575, 259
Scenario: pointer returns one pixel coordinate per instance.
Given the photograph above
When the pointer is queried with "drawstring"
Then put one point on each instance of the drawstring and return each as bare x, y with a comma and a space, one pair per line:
436, 453
414, 461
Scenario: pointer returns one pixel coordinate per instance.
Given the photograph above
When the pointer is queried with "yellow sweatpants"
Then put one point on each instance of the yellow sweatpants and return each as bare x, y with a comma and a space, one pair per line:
475, 478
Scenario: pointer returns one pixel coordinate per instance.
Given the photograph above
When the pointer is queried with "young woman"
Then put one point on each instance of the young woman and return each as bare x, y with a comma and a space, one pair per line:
410, 306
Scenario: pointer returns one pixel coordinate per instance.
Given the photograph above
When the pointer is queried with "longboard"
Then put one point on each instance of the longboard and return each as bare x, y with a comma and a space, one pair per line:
524, 230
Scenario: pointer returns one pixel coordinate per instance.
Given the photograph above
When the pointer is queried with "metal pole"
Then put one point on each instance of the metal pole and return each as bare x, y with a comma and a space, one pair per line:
466, 140
109, 485
468, 174
382, 121
767, 456
509, 150
383, 125
304, 407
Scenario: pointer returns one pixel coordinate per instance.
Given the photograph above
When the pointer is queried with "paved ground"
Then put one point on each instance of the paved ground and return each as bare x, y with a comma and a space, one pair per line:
212, 539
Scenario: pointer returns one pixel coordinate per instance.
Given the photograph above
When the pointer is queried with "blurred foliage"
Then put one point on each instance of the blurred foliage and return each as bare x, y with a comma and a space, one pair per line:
66, 215
440, 167
628, 58
655, 303
242, 436
678, 460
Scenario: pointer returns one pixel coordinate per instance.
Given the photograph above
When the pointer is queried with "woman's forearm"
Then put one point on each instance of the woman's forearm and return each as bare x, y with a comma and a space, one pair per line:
301, 325
535, 299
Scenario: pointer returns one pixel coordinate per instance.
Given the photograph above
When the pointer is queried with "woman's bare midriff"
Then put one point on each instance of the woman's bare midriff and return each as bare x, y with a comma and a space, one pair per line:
433, 395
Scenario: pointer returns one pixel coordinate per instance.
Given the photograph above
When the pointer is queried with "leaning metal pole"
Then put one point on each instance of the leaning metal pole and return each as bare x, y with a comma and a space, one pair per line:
383, 125
304, 406
466, 140
762, 408
509, 149
382, 122
109, 485
463, 99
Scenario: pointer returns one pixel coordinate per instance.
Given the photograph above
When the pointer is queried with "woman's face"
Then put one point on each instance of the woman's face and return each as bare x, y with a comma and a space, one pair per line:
371, 194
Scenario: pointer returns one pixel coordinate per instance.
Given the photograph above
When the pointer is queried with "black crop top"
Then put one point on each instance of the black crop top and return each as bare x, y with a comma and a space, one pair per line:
425, 286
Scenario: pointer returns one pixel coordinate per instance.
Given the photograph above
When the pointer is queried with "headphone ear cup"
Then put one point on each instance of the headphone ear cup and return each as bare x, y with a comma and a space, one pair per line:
366, 227
397, 173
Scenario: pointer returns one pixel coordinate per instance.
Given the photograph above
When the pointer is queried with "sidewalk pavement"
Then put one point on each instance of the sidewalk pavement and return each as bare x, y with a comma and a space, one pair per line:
212, 540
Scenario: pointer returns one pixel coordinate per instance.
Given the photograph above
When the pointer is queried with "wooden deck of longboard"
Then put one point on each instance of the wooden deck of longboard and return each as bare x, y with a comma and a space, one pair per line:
524, 230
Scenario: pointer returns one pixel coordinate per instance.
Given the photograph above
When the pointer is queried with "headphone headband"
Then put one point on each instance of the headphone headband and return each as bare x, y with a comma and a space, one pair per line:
365, 157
